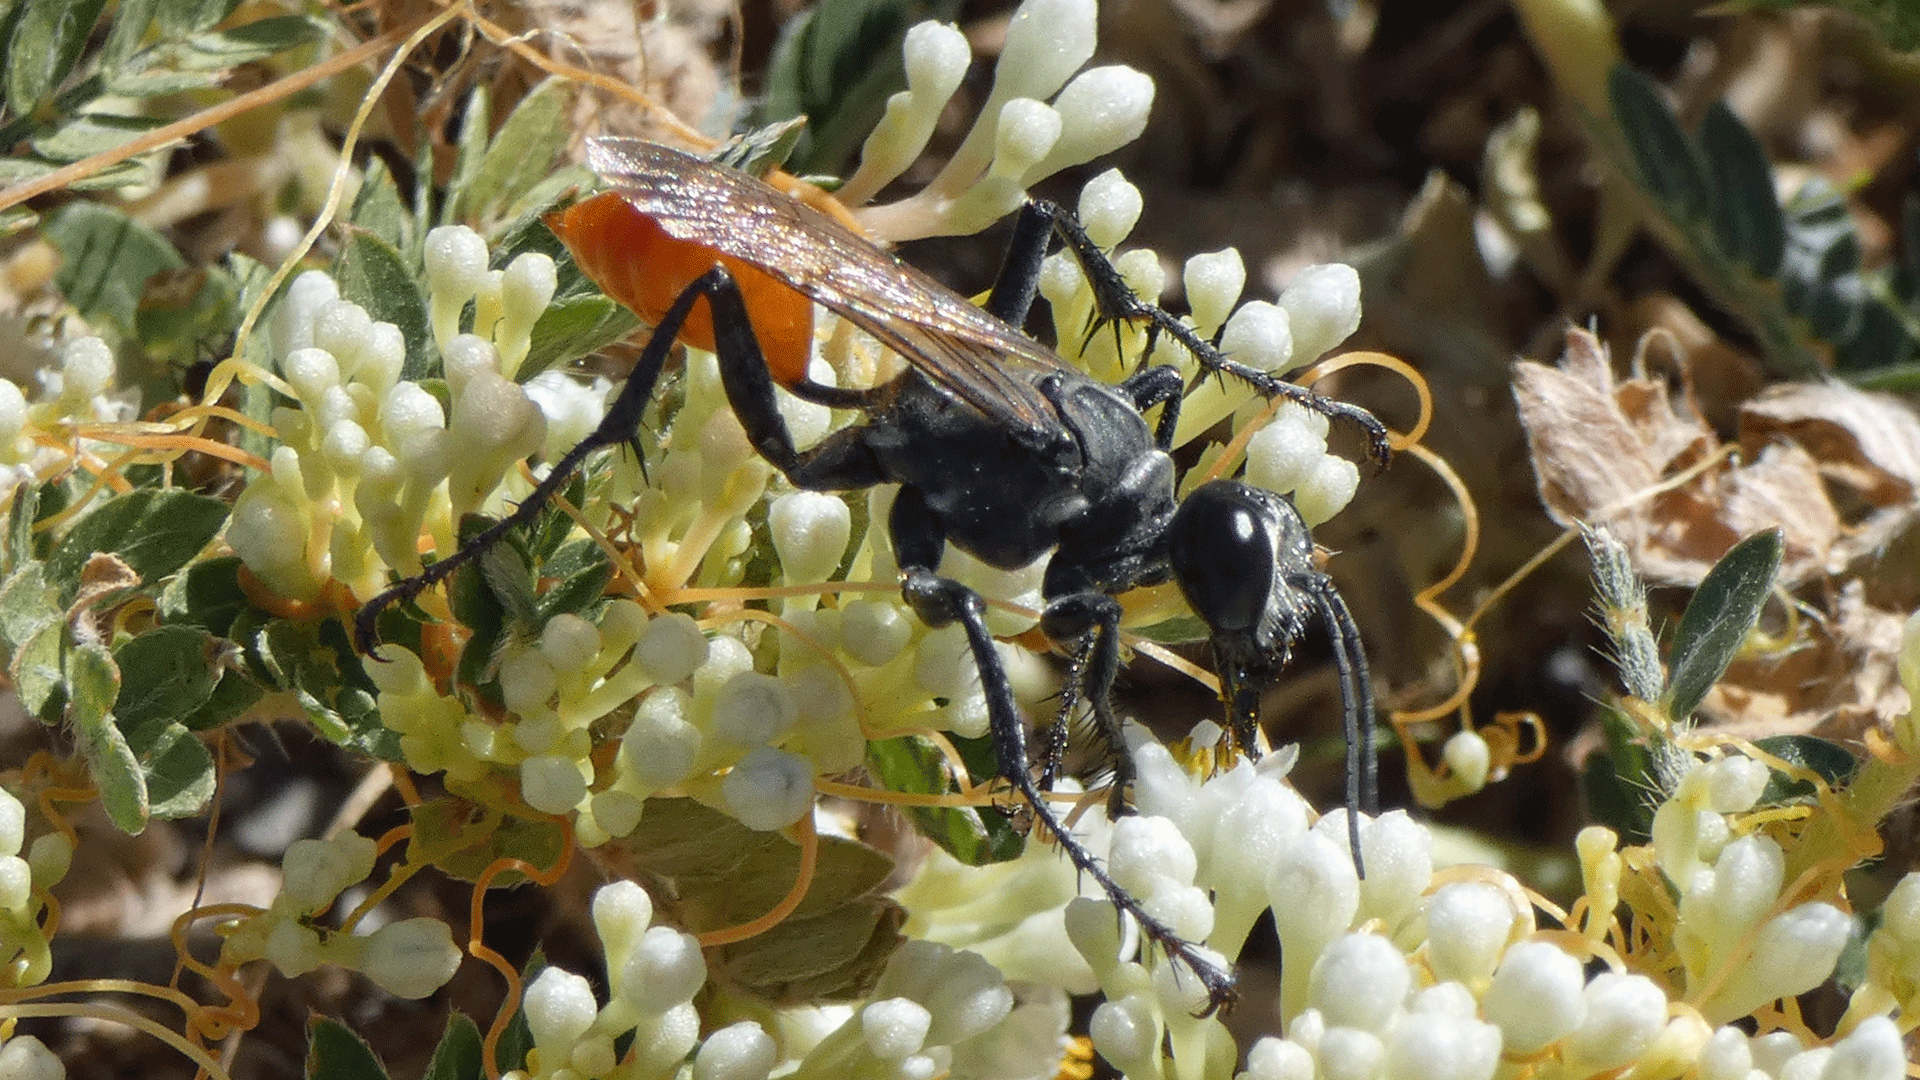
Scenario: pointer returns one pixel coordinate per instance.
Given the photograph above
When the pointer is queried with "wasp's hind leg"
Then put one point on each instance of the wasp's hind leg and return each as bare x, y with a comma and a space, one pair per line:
618, 426
918, 540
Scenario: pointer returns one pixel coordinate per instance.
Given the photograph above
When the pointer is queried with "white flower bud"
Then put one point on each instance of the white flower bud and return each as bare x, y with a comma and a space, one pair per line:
1143, 273
1734, 783
671, 648
1872, 1051
464, 357
1772, 1050
560, 1008
526, 287
936, 56
665, 971
411, 958
754, 709
964, 994
13, 823
769, 789
408, 410
25, 1057
527, 680
1283, 454
1360, 981
810, 532
1323, 303
16, 884
741, 1051
384, 359
1327, 489
1468, 924
1726, 1056
1027, 130
1109, 208
456, 259
1794, 952
1536, 996
1127, 1033
344, 328
293, 321
1623, 1015
660, 746
895, 1029
311, 373
1277, 1059
622, 911
1433, 1047
1214, 281
13, 420
1046, 42
569, 643
86, 370
1350, 1054
1149, 851
314, 872
552, 784
1467, 755
874, 631
1398, 852
291, 948
50, 856
1103, 109
1260, 335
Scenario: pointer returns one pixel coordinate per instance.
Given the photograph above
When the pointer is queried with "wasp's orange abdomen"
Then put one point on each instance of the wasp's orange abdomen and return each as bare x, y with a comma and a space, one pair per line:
634, 260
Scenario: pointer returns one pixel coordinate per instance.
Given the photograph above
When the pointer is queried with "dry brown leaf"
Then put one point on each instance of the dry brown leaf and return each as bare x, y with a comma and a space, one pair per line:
1600, 444
1869, 442
1837, 681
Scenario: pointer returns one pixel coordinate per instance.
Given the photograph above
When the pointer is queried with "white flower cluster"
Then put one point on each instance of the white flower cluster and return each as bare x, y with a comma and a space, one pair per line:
1318, 310
24, 949
1019, 137
1410, 973
410, 959
80, 391
368, 461
935, 1012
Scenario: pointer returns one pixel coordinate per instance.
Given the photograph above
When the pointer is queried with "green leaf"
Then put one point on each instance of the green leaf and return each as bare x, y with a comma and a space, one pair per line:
536, 843
838, 63
377, 207
25, 167
207, 594
976, 836
223, 50
92, 133
1619, 784
476, 122
520, 155
572, 328
1670, 165
458, 1057
48, 36
231, 698
334, 1052
1825, 758
155, 531
93, 682
372, 273
177, 768
181, 17
124, 33
106, 259
1746, 216
582, 571
35, 638
1723, 609
165, 674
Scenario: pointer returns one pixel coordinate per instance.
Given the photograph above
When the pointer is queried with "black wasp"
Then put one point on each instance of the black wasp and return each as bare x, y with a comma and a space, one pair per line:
1000, 447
